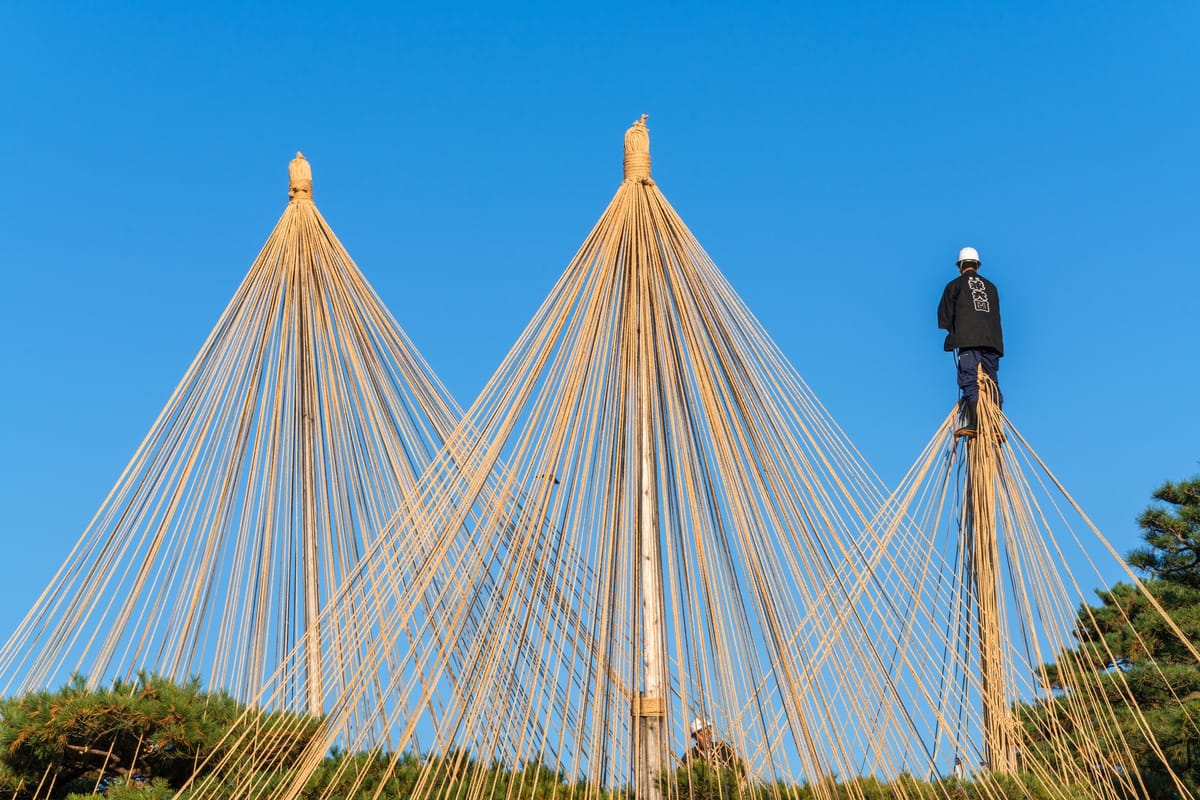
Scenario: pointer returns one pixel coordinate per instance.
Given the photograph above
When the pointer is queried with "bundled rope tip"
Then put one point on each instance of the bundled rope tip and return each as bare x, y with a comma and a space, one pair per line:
299, 178
637, 151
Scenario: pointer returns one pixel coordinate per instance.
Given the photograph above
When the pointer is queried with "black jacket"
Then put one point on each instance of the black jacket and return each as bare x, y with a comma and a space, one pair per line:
970, 313
718, 754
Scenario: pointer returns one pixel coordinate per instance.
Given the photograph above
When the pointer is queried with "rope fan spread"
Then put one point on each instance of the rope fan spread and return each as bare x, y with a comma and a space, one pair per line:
645, 524
695, 539
291, 440
287, 445
1012, 669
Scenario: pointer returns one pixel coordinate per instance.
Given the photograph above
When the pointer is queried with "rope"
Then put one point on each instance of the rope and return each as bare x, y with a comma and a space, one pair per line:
646, 508
637, 151
300, 185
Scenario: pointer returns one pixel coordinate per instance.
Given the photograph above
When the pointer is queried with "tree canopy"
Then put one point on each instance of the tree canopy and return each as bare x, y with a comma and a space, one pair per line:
144, 733
1130, 652
1171, 531
147, 738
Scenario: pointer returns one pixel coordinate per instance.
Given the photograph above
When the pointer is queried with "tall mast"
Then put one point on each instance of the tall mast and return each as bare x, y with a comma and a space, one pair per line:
307, 405
983, 568
650, 706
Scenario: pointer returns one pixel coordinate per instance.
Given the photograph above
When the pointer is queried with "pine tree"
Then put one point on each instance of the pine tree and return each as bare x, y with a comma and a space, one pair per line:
145, 734
1131, 651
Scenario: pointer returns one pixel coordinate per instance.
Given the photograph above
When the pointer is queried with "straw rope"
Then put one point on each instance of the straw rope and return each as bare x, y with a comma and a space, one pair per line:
288, 443
825, 628
647, 516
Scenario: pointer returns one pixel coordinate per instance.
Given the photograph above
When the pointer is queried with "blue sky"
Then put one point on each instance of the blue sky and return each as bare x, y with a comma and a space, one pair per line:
831, 158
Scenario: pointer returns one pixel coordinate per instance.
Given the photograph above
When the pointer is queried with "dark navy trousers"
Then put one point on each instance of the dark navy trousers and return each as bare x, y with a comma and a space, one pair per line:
969, 360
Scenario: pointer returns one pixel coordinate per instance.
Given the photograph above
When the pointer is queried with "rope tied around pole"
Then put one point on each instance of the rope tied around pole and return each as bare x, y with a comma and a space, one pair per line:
637, 152
300, 185
646, 706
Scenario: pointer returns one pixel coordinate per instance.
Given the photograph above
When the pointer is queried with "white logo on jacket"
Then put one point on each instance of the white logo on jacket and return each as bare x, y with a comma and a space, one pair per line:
979, 293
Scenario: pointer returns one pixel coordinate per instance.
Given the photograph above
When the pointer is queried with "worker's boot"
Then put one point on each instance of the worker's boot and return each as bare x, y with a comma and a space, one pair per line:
967, 424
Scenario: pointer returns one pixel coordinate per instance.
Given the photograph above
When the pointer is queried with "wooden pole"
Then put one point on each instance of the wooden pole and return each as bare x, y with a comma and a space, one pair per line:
649, 708
983, 573
307, 404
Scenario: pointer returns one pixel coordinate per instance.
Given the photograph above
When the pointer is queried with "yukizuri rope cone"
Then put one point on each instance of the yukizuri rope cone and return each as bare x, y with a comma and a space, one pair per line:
986, 620
289, 442
696, 535
696, 538
232, 546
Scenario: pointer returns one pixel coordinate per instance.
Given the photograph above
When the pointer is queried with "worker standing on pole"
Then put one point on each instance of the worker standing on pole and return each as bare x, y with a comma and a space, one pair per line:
970, 314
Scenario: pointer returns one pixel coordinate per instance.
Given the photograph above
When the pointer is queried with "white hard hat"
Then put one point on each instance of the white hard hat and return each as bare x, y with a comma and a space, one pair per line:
968, 254
699, 724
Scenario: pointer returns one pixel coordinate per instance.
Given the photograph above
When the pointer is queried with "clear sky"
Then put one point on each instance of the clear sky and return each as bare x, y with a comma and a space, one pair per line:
832, 158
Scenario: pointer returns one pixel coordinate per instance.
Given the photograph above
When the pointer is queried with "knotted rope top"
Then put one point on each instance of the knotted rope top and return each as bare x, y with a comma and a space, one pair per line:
637, 152
299, 178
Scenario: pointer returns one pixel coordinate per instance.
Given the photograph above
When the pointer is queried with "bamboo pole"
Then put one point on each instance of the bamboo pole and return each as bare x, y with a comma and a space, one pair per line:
983, 552
300, 191
649, 706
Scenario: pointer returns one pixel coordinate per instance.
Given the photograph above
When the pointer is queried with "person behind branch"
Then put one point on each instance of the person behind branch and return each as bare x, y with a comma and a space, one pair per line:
708, 749
969, 312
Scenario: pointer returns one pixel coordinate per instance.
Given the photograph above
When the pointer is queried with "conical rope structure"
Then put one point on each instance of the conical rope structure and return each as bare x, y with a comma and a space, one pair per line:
290, 441
1006, 661
699, 540
647, 518
293, 437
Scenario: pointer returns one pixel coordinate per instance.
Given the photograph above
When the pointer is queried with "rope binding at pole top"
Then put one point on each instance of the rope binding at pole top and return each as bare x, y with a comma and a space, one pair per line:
300, 185
637, 152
